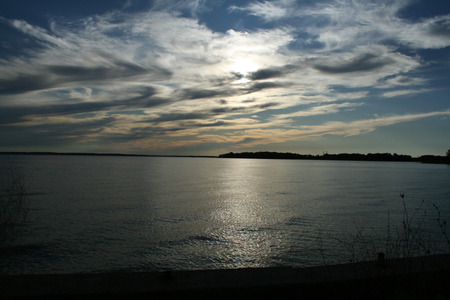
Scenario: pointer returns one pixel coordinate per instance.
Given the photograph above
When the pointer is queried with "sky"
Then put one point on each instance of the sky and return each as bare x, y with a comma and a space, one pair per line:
205, 77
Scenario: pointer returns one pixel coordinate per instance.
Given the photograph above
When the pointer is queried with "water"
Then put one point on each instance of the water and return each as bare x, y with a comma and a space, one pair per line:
101, 213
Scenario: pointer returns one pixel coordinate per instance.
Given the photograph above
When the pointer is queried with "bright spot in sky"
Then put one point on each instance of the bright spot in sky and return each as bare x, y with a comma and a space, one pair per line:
243, 66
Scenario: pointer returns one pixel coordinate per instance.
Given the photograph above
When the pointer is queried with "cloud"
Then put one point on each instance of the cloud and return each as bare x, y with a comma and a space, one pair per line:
345, 129
61, 75
267, 10
203, 93
258, 86
319, 110
398, 93
22, 83
433, 33
77, 73
37, 32
369, 125
401, 80
80, 101
179, 116
361, 63
161, 75
193, 7
439, 26
272, 72
341, 24
37, 133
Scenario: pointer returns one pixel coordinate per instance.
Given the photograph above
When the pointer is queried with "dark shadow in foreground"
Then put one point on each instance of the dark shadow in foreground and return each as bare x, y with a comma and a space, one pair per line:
412, 278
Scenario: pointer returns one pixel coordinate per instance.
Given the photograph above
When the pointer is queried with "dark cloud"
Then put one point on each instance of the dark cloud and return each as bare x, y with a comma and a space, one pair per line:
145, 99
267, 105
225, 80
52, 134
440, 27
27, 137
265, 74
221, 110
24, 83
269, 73
201, 124
361, 63
247, 140
258, 86
18, 114
82, 73
135, 134
55, 76
10, 115
214, 124
180, 116
118, 69
200, 94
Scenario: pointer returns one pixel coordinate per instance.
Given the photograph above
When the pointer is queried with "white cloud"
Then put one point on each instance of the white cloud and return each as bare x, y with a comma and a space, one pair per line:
38, 33
343, 24
319, 110
268, 10
398, 93
433, 33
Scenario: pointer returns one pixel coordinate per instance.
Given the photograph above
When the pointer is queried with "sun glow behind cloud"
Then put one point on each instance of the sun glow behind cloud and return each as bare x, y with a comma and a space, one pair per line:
162, 80
243, 66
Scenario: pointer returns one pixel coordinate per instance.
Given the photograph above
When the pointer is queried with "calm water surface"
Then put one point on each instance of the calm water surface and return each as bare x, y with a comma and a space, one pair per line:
99, 213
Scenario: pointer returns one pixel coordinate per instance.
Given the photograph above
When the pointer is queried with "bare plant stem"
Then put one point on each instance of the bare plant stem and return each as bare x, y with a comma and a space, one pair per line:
406, 242
442, 225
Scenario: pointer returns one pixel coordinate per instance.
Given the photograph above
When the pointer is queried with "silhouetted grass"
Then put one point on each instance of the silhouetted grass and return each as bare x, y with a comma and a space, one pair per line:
408, 240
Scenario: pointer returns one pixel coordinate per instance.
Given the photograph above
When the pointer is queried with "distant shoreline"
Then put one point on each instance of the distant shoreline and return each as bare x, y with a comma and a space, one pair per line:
342, 156
387, 157
100, 154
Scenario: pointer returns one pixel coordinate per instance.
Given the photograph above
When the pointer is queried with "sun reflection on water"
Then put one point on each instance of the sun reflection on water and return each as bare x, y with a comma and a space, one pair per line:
246, 225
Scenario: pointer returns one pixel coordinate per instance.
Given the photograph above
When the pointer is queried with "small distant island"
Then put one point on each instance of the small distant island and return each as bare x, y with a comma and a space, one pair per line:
342, 156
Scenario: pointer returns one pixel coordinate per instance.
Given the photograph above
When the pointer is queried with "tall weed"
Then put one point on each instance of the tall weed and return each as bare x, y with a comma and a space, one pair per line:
410, 239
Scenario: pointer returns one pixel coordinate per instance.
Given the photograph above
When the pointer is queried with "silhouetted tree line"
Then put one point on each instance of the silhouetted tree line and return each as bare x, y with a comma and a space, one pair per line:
341, 156
270, 155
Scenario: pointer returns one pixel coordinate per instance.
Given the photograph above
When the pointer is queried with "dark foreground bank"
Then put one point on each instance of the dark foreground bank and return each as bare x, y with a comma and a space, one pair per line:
419, 278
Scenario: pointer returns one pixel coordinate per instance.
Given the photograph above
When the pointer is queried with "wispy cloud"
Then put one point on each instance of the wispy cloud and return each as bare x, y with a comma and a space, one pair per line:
148, 79
341, 24
319, 110
398, 93
345, 129
267, 10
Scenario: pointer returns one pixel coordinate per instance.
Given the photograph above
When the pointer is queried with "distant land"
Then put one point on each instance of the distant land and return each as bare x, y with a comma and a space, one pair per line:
342, 156
100, 154
436, 159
